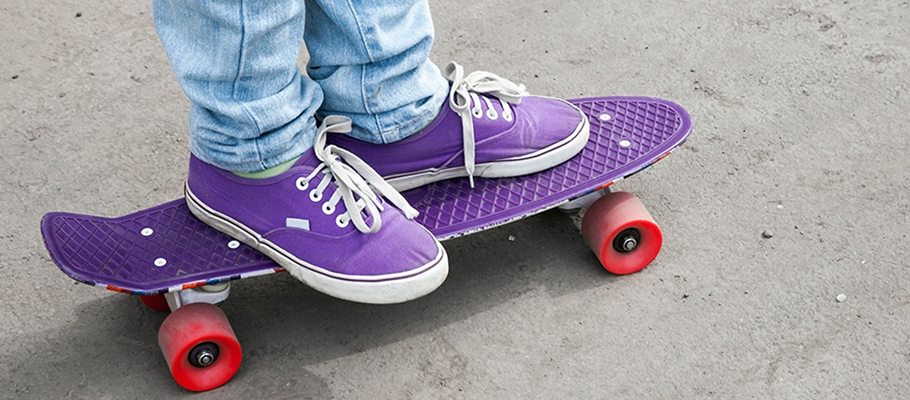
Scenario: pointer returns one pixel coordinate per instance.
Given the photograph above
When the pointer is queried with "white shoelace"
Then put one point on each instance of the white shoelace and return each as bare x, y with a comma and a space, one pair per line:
355, 179
464, 93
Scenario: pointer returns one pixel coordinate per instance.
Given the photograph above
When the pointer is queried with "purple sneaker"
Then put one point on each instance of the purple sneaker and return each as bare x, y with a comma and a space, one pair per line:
491, 129
322, 221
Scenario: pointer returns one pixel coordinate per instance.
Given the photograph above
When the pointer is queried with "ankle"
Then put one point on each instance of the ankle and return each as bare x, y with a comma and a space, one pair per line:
268, 172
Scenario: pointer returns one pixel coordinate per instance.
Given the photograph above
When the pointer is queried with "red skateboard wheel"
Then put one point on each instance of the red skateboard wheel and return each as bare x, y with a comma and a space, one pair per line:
622, 233
156, 302
199, 346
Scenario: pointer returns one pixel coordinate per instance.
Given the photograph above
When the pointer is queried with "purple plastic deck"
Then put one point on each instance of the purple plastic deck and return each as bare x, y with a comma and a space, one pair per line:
165, 249
628, 134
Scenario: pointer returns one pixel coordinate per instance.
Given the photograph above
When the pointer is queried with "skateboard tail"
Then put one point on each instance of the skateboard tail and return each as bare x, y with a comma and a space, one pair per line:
53, 248
154, 251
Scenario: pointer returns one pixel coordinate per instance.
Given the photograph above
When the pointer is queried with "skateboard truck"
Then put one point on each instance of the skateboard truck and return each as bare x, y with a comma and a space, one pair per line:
585, 201
211, 294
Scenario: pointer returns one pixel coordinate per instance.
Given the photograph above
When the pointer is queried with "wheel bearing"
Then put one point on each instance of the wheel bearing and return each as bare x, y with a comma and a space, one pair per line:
627, 241
203, 354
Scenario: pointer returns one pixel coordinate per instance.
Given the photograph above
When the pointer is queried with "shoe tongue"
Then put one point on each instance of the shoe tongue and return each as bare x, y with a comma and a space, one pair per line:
307, 159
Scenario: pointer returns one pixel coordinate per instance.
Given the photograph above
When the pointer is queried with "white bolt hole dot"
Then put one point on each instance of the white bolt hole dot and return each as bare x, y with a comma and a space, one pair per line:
160, 262
625, 143
605, 117
233, 244
147, 232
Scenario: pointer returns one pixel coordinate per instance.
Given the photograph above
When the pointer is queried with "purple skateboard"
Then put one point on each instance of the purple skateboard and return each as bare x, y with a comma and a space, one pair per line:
165, 249
164, 254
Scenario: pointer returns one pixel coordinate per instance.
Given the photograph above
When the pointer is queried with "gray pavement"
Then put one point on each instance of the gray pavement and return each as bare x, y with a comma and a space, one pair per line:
801, 129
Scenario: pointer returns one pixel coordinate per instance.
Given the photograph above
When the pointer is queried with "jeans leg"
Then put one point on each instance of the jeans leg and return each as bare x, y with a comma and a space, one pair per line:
371, 59
236, 61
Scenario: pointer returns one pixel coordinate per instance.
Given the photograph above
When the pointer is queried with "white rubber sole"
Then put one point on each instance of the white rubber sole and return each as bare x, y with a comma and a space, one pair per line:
540, 160
372, 289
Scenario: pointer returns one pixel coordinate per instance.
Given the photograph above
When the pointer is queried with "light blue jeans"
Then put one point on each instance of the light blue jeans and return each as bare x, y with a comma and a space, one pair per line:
251, 106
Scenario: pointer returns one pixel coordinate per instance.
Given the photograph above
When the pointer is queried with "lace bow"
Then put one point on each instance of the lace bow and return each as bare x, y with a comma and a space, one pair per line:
355, 179
464, 93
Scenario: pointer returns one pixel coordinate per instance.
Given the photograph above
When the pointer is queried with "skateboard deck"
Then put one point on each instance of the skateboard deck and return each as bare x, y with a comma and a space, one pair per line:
166, 249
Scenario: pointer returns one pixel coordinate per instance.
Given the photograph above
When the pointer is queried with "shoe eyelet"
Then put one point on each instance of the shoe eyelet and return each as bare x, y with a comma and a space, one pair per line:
342, 221
328, 209
302, 183
507, 116
477, 112
492, 115
315, 196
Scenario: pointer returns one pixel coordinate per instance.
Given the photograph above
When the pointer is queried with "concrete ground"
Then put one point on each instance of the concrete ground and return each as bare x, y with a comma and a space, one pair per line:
801, 129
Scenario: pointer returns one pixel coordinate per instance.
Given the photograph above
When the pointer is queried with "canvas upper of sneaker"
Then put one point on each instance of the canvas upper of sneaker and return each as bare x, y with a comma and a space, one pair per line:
323, 222
489, 128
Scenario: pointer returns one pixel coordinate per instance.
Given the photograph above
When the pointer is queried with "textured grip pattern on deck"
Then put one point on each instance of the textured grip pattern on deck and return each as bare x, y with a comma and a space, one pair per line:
652, 128
115, 251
